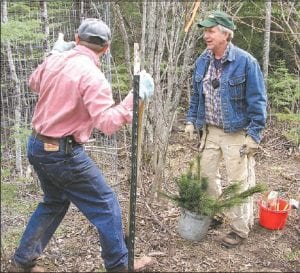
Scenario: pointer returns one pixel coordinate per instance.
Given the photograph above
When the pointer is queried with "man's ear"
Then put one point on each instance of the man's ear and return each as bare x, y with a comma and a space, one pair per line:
227, 37
105, 49
77, 39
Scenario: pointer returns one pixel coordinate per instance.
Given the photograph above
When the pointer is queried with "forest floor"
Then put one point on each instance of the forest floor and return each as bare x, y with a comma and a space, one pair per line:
75, 245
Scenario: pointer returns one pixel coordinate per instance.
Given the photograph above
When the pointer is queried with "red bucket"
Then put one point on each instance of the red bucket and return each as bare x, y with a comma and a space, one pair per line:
273, 219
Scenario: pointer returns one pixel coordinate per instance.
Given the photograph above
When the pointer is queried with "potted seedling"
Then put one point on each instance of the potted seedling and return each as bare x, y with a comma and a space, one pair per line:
198, 207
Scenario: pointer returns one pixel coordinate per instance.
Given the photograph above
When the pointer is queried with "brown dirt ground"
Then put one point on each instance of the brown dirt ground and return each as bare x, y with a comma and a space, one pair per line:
75, 246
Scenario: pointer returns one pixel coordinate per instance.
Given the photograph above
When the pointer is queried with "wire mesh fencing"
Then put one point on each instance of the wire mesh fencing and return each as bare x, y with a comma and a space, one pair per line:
28, 34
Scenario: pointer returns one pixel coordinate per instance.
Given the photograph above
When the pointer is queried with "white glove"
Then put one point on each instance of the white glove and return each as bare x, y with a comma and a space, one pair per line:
249, 147
189, 129
146, 85
60, 45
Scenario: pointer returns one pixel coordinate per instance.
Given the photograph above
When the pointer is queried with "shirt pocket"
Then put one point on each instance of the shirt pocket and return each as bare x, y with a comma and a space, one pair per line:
237, 94
237, 87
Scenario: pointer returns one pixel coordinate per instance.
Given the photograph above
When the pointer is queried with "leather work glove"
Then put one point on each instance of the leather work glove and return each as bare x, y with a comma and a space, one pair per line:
146, 85
189, 129
60, 45
249, 147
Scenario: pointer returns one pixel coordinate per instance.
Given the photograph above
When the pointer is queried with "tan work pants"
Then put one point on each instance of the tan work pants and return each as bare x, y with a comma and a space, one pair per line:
220, 145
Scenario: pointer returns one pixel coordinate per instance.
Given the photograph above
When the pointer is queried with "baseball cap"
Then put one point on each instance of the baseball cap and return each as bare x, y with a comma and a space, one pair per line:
94, 31
218, 18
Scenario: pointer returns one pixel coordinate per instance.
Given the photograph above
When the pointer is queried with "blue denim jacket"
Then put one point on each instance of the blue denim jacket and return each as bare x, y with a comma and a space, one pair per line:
242, 90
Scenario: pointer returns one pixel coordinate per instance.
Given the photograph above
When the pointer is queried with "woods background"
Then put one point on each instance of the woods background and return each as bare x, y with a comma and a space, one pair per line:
269, 30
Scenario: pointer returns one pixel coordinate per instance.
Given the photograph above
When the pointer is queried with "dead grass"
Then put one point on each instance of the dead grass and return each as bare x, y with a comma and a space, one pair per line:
75, 245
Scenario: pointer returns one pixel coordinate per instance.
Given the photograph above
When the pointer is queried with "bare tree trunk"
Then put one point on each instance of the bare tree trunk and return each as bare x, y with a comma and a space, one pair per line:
79, 7
164, 36
17, 105
17, 87
116, 9
4, 17
45, 22
290, 17
266, 49
143, 34
81, 11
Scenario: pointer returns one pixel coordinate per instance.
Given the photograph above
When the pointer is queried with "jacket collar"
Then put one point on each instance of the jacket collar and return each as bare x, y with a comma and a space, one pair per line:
231, 52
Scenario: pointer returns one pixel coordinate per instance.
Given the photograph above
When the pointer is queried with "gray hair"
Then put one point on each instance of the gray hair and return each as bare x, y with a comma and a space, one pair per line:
92, 46
226, 30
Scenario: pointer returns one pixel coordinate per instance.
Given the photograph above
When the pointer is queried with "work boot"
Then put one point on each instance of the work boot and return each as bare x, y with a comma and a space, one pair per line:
232, 240
139, 265
15, 267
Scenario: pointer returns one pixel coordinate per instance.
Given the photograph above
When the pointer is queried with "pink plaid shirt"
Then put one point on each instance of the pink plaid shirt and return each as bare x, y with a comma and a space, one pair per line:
75, 97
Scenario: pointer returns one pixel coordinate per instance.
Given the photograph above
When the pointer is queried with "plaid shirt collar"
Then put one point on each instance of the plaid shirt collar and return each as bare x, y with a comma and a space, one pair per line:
225, 55
213, 112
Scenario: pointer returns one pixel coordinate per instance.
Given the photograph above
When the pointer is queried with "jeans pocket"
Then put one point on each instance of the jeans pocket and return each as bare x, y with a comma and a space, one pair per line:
57, 172
72, 169
37, 155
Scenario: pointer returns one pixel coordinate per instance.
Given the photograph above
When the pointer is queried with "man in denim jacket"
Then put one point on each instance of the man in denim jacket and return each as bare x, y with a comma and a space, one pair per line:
229, 106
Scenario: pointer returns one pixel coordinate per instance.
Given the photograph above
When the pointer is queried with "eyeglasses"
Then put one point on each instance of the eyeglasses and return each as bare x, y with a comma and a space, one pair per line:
215, 83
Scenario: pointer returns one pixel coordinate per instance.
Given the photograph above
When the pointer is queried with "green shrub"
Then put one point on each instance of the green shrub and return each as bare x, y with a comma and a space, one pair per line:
292, 124
192, 193
19, 8
21, 31
120, 80
284, 90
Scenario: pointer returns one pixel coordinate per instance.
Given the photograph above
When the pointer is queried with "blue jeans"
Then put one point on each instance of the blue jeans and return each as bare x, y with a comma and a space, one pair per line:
71, 178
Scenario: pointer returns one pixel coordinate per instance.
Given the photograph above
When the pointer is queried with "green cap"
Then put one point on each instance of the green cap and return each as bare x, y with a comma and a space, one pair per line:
218, 18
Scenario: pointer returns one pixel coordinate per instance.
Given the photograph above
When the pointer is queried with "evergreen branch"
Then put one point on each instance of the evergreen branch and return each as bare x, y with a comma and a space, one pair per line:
192, 193
255, 189
230, 190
